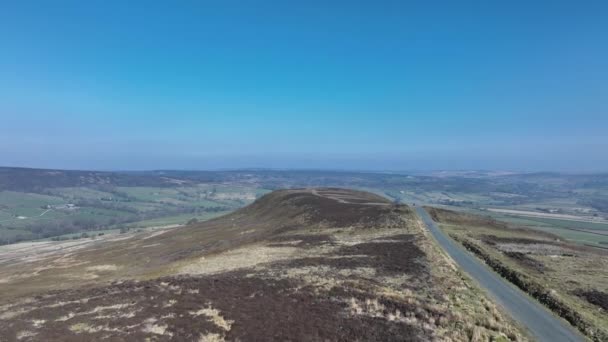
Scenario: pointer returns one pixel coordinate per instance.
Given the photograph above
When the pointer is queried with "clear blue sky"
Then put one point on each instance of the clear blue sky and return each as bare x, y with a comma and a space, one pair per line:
304, 84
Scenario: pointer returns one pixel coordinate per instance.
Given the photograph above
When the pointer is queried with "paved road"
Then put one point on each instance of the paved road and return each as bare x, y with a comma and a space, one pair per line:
531, 314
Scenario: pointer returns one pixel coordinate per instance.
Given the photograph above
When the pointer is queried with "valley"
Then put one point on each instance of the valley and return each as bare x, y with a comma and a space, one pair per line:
61, 204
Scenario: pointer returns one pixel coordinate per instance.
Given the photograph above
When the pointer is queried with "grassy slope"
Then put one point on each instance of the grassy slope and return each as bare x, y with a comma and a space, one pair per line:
365, 271
562, 268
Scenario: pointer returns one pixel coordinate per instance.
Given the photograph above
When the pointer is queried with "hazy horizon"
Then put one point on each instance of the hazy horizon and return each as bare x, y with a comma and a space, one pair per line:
107, 85
413, 171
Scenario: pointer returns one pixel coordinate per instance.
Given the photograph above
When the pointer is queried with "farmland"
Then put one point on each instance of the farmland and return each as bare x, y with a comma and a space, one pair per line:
65, 212
61, 204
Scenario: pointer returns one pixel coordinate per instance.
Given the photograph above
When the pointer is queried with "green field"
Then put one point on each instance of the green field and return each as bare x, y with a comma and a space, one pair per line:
144, 225
13, 199
27, 216
565, 229
113, 199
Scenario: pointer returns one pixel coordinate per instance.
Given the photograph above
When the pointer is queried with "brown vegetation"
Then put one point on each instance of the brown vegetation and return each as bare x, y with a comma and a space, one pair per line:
452, 217
533, 261
295, 265
595, 297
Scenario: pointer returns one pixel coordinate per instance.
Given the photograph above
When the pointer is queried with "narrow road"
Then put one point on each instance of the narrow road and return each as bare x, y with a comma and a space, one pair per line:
541, 323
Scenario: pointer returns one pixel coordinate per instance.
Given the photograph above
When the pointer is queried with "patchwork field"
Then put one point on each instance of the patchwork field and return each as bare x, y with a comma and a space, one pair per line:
34, 203
67, 212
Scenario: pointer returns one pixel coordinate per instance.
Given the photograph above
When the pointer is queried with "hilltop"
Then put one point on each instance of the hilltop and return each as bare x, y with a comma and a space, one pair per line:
304, 264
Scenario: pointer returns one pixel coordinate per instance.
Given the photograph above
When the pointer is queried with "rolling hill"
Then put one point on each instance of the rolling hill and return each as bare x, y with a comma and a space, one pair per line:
300, 264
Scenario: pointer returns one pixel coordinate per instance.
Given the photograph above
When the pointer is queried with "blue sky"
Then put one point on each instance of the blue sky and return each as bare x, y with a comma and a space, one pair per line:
312, 84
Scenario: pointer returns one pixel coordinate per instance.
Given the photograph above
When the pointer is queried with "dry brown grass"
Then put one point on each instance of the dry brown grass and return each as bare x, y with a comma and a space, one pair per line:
319, 264
562, 268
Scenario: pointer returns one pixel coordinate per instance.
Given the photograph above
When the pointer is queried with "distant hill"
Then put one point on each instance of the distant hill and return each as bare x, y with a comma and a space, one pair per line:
106, 200
34, 180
